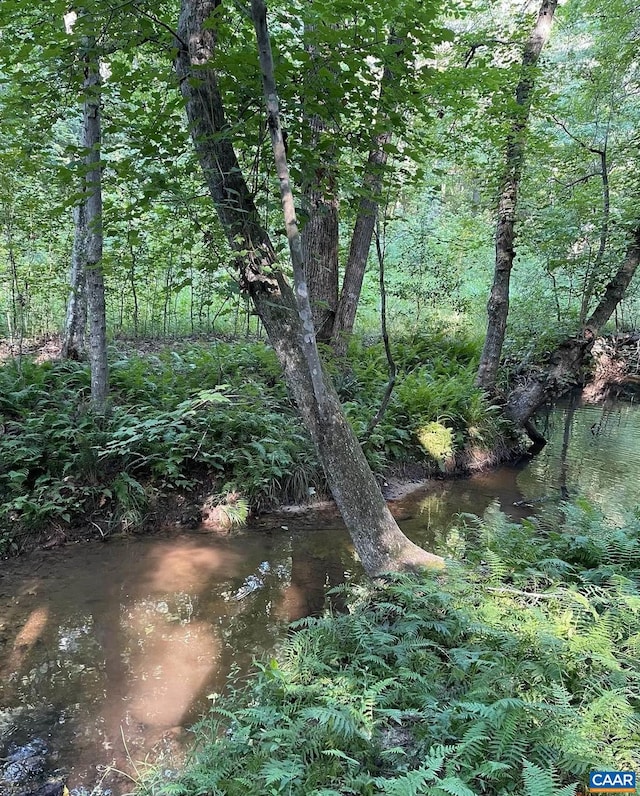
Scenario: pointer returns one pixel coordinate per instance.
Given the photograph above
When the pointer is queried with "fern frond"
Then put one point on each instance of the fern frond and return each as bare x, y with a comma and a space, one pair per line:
538, 782
454, 786
410, 784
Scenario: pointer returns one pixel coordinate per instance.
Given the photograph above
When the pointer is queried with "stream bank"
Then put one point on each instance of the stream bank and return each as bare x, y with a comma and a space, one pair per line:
206, 426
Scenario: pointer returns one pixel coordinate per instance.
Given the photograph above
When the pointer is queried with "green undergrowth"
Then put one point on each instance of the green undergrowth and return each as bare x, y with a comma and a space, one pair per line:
513, 675
434, 396
217, 413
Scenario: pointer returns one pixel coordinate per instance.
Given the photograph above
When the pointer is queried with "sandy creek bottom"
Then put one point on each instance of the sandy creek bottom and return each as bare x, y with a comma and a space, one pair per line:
108, 651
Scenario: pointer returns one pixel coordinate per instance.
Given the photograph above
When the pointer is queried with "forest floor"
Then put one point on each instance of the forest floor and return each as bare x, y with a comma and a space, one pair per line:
48, 348
42, 349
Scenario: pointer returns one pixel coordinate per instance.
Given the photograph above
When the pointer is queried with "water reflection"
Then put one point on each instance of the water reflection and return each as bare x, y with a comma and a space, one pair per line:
601, 461
107, 651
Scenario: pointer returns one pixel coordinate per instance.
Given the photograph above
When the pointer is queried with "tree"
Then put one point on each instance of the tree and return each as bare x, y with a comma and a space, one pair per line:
364, 226
286, 314
359, 83
320, 230
75, 325
91, 234
498, 306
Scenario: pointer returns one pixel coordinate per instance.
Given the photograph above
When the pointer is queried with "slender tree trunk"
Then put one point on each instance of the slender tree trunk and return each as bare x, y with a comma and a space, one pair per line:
132, 280
498, 306
15, 324
604, 233
94, 275
591, 276
286, 314
365, 222
320, 232
360, 243
73, 338
320, 247
568, 359
391, 364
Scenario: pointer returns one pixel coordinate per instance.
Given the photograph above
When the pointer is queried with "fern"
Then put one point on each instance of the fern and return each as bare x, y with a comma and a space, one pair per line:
496, 568
522, 666
538, 782
409, 784
452, 786
283, 773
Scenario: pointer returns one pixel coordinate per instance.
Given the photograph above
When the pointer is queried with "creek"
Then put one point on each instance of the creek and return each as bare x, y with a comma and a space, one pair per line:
109, 651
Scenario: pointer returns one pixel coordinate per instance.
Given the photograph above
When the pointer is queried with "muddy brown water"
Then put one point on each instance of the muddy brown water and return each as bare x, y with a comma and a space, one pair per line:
109, 651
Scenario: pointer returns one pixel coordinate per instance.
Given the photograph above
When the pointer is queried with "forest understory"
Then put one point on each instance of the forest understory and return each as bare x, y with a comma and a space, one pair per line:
203, 437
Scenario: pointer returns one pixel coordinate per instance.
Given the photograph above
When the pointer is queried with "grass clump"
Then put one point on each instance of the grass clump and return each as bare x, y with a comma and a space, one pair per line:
515, 674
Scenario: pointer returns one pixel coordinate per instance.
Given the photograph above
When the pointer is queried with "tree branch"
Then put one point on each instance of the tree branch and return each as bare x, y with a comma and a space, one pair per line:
575, 138
162, 24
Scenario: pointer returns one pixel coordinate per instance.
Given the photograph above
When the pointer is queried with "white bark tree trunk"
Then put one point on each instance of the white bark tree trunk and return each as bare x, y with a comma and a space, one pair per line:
498, 306
73, 337
93, 248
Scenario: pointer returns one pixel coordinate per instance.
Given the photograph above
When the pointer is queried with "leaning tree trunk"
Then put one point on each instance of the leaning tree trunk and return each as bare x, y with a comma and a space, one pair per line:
93, 205
286, 316
73, 338
498, 305
567, 361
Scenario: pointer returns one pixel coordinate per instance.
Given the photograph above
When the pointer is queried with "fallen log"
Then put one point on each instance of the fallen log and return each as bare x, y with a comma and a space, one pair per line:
565, 368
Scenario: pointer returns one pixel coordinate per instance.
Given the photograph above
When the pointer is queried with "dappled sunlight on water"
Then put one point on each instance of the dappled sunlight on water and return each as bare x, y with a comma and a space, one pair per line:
110, 649
168, 667
27, 636
190, 566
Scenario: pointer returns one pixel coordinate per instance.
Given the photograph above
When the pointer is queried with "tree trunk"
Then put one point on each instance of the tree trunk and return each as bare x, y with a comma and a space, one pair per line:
320, 247
73, 342
320, 231
360, 245
365, 222
568, 359
94, 275
592, 274
286, 317
356, 266
498, 305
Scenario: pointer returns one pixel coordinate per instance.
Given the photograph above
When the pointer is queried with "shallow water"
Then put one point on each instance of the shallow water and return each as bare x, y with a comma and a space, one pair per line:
107, 651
